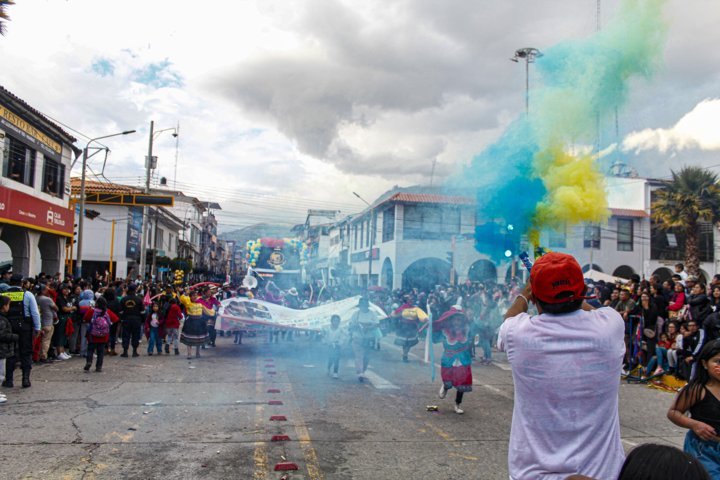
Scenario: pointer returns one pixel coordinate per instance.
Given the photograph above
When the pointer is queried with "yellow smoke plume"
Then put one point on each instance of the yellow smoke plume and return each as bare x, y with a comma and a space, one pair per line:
575, 191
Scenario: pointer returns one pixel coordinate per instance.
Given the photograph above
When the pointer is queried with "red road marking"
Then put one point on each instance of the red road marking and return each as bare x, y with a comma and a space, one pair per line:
284, 466
275, 402
278, 418
280, 438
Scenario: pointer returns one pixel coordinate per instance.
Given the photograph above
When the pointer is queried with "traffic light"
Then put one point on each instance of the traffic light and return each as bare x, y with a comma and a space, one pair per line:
450, 257
511, 241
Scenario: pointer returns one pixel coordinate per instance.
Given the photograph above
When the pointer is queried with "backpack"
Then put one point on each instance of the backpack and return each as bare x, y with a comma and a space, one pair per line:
100, 324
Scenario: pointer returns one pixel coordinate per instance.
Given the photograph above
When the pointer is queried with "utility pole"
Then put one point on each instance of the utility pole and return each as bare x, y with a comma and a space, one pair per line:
148, 165
81, 220
529, 55
177, 146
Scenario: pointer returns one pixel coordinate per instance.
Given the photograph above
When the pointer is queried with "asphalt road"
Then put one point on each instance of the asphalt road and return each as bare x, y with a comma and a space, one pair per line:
212, 419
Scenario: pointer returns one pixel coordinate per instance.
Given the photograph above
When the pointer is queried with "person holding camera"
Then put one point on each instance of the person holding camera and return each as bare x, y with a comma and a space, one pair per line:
566, 363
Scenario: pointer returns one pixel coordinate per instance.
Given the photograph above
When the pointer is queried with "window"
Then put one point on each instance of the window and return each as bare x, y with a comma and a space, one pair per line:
362, 234
355, 234
430, 222
20, 165
53, 178
625, 234
159, 239
591, 236
388, 224
558, 238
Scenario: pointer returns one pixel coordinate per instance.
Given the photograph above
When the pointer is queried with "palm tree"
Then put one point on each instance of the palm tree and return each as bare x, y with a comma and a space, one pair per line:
693, 195
3, 14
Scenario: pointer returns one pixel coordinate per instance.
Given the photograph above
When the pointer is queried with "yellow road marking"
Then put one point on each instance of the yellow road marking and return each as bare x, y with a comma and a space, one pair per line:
464, 457
311, 459
260, 456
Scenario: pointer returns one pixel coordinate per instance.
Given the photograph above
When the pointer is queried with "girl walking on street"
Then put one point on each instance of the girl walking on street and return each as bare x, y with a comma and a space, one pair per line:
98, 321
154, 329
701, 397
453, 331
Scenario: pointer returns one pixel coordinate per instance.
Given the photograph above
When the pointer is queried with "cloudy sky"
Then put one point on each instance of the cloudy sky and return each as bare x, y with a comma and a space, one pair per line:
289, 105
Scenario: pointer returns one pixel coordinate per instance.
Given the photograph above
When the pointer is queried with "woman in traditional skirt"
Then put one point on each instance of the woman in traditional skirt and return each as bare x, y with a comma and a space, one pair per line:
194, 331
453, 330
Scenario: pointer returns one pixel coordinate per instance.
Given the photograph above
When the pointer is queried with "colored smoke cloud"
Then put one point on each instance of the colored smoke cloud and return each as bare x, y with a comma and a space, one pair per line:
532, 177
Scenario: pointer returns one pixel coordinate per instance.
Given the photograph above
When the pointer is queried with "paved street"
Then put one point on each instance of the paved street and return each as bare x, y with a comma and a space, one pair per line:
213, 418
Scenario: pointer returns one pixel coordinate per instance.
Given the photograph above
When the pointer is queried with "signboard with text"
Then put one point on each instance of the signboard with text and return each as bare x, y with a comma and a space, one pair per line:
25, 132
18, 208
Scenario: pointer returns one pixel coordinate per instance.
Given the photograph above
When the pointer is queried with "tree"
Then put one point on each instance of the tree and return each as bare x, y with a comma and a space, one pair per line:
3, 14
691, 196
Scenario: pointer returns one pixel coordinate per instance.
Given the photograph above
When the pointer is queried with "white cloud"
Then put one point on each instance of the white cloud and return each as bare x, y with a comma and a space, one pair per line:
697, 129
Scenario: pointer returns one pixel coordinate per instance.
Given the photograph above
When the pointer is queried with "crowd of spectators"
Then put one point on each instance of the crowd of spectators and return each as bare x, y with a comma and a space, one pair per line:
667, 322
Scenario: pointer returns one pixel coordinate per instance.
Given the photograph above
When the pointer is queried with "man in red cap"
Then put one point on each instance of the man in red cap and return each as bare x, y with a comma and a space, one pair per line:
566, 364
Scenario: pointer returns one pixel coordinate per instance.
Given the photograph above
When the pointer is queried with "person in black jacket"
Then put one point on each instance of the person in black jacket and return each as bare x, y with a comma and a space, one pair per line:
646, 309
114, 306
8, 339
715, 298
131, 313
699, 303
659, 300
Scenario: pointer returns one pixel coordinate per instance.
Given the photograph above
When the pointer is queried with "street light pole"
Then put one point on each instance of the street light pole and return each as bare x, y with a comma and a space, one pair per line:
528, 54
81, 221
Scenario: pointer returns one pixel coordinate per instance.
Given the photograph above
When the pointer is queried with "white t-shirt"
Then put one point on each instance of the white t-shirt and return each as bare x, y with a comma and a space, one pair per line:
566, 371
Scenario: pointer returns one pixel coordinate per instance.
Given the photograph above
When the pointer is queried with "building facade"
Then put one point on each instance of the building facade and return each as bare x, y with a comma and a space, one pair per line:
410, 238
36, 220
112, 238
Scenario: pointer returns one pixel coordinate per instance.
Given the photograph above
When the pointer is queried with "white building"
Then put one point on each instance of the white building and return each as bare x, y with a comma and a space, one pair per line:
112, 240
35, 221
190, 211
414, 235
414, 238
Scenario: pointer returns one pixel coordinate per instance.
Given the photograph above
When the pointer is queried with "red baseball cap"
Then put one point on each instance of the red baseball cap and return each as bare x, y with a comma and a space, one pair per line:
556, 273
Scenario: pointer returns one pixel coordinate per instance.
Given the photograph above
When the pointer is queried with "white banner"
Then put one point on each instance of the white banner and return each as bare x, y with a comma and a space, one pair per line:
239, 312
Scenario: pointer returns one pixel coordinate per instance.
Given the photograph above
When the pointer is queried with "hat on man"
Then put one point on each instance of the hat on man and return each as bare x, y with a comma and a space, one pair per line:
691, 278
554, 274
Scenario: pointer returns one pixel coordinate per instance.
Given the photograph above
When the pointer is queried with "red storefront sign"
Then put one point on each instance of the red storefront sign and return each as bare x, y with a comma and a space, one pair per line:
18, 208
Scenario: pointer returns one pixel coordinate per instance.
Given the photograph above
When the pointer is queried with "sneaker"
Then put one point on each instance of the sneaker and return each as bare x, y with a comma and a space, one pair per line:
98, 369
3, 399
658, 371
87, 367
149, 354
624, 372
459, 410
335, 376
64, 356
442, 391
